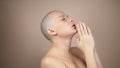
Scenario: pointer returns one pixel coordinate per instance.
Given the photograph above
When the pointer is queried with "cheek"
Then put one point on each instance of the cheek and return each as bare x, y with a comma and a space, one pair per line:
63, 29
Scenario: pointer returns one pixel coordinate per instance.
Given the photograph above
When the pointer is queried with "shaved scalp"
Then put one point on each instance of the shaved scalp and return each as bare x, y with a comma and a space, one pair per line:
46, 23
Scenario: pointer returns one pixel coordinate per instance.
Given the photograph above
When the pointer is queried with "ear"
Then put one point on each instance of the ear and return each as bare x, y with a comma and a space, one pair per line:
51, 31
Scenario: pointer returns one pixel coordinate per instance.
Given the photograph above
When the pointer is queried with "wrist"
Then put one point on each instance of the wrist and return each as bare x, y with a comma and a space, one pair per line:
89, 51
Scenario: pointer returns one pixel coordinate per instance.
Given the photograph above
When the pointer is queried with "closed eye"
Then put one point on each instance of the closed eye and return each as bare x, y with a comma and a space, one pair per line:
63, 19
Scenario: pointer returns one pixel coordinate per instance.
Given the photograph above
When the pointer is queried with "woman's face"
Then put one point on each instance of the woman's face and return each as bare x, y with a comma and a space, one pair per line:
64, 25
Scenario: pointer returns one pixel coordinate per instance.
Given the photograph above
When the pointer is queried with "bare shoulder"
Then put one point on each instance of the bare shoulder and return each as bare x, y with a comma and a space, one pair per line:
51, 62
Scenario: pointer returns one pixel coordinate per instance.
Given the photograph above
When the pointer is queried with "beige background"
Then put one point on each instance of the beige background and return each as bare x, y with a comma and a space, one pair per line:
22, 44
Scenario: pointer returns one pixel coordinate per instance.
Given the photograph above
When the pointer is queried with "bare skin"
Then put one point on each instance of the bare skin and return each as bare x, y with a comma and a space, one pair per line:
62, 55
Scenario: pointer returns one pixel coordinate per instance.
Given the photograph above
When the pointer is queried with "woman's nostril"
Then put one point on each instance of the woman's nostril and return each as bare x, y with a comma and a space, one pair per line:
71, 20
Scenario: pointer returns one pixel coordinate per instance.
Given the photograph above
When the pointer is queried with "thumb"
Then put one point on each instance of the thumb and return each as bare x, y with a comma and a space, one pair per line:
78, 40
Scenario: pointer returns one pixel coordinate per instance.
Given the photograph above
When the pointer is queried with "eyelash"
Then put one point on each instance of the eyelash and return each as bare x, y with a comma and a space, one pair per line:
63, 19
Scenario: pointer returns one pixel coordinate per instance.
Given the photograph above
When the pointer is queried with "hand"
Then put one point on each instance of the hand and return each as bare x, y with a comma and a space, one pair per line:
85, 39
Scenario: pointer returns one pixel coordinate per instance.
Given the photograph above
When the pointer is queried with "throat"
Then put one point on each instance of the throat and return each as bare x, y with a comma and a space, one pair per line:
61, 47
60, 53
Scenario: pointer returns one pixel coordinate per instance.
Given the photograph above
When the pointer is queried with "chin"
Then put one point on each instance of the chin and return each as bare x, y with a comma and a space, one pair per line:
73, 33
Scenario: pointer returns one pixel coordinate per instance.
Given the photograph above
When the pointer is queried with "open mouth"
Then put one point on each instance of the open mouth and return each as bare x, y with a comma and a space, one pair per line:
74, 26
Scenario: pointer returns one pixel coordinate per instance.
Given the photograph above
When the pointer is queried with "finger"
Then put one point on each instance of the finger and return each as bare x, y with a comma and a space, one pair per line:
84, 28
78, 29
76, 36
81, 29
89, 31
78, 40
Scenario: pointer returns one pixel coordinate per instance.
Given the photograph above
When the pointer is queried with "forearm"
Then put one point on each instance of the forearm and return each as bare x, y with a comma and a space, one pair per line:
90, 59
98, 60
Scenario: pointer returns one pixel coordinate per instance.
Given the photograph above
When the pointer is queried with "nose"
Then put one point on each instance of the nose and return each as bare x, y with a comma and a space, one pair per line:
71, 20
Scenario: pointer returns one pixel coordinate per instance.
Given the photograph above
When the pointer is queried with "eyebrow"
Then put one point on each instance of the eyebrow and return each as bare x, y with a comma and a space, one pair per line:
63, 16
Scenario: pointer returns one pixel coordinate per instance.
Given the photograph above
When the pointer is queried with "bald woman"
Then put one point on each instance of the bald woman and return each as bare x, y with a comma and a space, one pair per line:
59, 29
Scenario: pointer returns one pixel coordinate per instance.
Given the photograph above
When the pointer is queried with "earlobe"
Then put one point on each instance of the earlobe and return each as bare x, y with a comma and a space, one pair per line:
51, 31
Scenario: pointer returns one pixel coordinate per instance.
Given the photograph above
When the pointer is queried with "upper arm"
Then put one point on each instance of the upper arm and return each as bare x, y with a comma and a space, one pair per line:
52, 63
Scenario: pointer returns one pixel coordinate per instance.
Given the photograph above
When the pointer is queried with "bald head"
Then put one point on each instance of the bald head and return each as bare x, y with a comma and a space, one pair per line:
47, 23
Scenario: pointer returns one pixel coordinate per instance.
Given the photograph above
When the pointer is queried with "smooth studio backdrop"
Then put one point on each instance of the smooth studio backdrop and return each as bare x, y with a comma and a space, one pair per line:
22, 44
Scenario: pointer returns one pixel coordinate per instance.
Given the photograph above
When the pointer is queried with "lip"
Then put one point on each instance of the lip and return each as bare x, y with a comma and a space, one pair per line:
74, 26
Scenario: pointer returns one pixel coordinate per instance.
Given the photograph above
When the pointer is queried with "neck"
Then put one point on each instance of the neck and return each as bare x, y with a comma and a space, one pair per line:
62, 46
